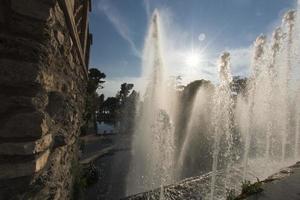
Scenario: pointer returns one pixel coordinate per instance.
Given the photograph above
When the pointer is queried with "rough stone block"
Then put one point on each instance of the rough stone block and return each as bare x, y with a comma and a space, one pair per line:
33, 125
37, 9
26, 148
2, 16
8, 171
59, 140
48, 80
57, 104
22, 49
14, 72
10, 105
60, 37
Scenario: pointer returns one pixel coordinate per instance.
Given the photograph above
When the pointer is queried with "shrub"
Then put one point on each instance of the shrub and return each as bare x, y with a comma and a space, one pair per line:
231, 195
83, 177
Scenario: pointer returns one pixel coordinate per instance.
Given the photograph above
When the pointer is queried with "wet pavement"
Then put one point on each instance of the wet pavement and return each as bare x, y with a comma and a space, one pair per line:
285, 186
113, 168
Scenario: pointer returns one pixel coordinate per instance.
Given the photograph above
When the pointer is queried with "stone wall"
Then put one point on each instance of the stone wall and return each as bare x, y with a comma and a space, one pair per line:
42, 92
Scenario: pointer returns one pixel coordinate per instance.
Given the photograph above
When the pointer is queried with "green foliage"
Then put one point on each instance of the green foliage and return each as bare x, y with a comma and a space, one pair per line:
125, 91
83, 129
83, 178
120, 108
231, 195
93, 101
79, 183
239, 85
95, 80
248, 188
109, 111
91, 174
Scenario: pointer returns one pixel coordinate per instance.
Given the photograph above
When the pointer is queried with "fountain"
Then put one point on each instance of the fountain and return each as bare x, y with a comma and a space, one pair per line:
236, 136
153, 143
221, 116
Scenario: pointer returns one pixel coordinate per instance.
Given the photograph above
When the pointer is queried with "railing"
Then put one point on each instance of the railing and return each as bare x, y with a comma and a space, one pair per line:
76, 17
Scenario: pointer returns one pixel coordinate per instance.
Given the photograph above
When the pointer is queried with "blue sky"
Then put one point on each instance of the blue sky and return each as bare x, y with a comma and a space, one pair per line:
212, 26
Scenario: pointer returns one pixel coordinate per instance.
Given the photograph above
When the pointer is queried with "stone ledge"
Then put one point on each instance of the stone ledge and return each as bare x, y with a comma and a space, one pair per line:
26, 148
9, 171
25, 125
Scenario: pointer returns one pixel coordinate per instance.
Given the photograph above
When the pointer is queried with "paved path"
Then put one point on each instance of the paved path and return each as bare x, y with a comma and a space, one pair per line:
113, 168
95, 155
94, 144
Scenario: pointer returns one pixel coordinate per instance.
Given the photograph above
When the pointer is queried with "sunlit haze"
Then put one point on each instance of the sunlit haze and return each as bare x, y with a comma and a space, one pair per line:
193, 59
119, 28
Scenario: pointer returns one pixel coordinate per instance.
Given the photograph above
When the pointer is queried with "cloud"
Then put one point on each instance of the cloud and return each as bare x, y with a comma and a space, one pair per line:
240, 60
241, 57
113, 15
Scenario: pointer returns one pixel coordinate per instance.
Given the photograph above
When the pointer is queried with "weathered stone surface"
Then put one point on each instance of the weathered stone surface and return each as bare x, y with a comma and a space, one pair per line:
57, 105
8, 171
14, 72
10, 105
60, 37
32, 8
11, 186
26, 148
32, 125
59, 140
42, 100
12, 47
2, 16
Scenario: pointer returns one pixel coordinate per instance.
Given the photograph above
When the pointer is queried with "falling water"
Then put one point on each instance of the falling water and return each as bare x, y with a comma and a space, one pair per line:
272, 84
256, 71
251, 134
198, 123
297, 96
288, 20
153, 142
269, 128
222, 118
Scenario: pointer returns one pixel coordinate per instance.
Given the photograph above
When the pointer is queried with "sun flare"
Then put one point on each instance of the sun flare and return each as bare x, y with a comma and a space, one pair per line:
192, 58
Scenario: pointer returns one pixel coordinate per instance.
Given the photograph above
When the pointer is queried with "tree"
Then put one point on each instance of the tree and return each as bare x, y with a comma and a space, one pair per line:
127, 112
108, 112
120, 109
239, 85
95, 82
125, 91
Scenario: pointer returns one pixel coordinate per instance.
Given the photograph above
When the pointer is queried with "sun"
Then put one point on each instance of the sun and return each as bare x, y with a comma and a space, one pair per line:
192, 59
